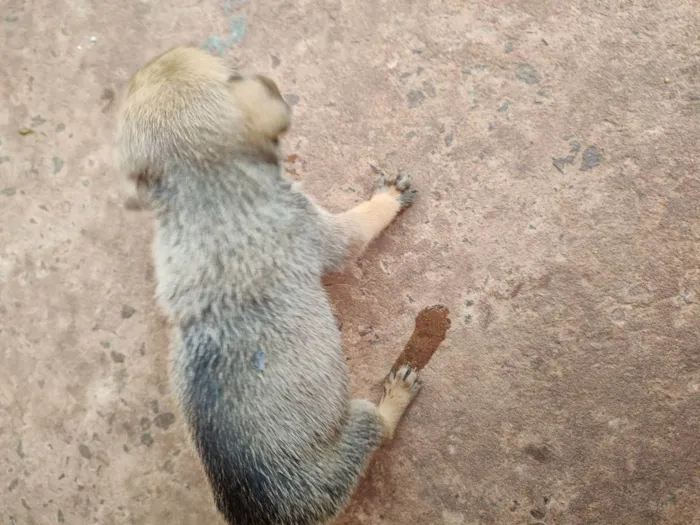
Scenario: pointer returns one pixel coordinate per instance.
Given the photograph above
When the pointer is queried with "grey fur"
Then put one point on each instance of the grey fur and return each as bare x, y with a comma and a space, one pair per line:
239, 260
256, 361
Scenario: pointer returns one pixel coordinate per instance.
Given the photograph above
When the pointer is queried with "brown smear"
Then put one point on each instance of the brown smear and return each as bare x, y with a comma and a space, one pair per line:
432, 324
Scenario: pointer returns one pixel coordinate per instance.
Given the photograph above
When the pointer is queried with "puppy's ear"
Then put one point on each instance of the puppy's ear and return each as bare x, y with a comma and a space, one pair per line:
129, 194
270, 85
134, 190
267, 115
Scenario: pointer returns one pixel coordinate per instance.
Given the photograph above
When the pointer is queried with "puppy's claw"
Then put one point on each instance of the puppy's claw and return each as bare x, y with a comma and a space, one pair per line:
400, 186
405, 379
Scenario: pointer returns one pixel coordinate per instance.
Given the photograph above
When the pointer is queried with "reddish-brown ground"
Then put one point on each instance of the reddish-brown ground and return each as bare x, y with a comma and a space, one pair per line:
555, 147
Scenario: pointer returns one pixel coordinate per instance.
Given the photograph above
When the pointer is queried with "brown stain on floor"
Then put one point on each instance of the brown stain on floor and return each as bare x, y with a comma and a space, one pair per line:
431, 328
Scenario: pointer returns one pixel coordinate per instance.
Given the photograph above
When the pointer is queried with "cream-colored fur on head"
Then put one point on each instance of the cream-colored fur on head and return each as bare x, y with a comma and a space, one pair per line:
267, 115
187, 105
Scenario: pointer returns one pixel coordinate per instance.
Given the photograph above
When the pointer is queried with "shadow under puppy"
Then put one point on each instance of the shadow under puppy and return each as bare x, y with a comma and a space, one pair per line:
256, 360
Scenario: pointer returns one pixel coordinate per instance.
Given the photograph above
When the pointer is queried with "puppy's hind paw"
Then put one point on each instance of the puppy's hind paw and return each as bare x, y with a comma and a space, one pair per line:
402, 385
400, 388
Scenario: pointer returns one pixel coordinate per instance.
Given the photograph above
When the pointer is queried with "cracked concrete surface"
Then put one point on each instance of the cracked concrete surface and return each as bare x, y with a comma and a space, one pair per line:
555, 148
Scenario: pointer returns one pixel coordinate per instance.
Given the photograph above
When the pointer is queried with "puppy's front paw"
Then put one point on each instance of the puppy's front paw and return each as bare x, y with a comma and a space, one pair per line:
398, 186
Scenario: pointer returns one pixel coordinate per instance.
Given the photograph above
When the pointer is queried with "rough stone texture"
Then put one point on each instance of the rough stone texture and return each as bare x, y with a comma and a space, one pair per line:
568, 389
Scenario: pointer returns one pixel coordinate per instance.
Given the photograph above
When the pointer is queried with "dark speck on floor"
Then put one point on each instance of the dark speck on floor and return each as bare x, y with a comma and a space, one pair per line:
591, 157
415, 98
527, 74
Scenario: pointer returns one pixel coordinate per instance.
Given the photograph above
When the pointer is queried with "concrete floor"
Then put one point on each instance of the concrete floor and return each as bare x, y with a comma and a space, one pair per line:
555, 146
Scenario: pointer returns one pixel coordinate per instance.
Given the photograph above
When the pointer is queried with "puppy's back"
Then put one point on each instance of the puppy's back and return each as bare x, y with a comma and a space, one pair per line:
265, 395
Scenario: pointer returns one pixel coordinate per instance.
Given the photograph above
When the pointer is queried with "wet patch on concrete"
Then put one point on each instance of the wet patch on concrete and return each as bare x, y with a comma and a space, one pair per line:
291, 98
117, 357
541, 453
146, 439
85, 451
164, 421
561, 162
107, 98
592, 157
415, 98
127, 311
527, 74
58, 164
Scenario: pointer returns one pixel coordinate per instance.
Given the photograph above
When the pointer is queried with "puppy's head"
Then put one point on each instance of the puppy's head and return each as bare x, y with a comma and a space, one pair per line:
187, 106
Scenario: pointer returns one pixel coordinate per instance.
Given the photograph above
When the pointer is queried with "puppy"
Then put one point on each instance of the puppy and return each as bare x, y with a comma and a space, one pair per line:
256, 361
